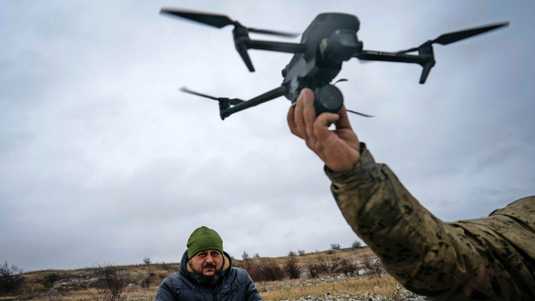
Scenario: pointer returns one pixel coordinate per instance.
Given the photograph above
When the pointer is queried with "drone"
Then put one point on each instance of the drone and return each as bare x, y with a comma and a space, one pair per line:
326, 43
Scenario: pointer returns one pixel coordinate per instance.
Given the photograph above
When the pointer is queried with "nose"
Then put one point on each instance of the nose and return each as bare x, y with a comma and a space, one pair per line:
209, 258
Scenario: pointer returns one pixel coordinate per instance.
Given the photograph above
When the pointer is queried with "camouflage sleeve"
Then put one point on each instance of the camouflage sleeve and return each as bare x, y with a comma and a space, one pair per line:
491, 258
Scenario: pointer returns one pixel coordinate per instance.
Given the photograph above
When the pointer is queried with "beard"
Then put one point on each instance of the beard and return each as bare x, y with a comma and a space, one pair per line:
208, 280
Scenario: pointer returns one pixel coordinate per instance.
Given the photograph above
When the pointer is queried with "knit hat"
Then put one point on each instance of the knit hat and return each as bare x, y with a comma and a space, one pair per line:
204, 238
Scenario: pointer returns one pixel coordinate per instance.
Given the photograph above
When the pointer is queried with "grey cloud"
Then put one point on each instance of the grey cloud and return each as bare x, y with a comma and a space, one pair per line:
104, 161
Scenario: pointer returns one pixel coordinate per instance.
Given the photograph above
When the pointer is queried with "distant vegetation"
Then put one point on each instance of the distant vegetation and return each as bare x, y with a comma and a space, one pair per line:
11, 278
141, 281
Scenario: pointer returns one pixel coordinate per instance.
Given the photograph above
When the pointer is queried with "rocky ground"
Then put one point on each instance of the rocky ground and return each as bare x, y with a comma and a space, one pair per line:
405, 295
338, 288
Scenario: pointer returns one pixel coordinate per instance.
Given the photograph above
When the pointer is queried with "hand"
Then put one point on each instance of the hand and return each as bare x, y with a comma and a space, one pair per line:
339, 149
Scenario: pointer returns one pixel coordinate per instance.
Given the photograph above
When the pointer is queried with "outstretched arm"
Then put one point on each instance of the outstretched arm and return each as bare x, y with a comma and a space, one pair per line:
428, 256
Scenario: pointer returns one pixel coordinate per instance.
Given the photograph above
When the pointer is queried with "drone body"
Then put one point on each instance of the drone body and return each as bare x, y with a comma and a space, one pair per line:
329, 40
322, 61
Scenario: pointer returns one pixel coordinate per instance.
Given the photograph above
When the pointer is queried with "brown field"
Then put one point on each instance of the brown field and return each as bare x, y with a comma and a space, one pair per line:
142, 281
273, 290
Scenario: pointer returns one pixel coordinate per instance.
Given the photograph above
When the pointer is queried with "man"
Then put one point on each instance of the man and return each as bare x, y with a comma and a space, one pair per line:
491, 258
206, 273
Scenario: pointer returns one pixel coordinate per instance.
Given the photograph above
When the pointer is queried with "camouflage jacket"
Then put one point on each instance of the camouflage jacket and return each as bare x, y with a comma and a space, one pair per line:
491, 258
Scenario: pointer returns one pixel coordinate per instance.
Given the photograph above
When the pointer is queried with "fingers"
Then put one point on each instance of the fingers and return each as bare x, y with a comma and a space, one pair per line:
321, 130
309, 113
290, 118
303, 122
343, 122
302, 114
298, 118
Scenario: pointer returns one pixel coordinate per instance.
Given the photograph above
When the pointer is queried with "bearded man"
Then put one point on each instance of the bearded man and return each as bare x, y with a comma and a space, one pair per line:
206, 273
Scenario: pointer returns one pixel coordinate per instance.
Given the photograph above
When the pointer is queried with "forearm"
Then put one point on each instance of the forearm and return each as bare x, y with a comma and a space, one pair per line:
491, 257
415, 246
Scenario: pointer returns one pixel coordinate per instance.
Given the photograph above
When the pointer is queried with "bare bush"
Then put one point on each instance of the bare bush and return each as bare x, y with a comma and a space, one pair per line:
335, 247
264, 269
146, 261
357, 244
151, 278
291, 268
301, 252
337, 266
50, 279
320, 267
114, 282
11, 278
343, 266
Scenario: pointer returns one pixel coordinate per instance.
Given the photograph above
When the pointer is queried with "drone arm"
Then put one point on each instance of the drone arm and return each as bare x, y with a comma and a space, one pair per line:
425, 59
267, 96
372, 55
275, 46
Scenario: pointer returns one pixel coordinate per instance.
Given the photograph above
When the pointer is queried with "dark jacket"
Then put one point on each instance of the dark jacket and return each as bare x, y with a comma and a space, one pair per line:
235, 285
490, 258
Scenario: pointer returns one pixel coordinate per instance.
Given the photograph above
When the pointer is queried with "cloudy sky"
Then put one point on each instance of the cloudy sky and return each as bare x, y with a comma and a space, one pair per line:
104, 161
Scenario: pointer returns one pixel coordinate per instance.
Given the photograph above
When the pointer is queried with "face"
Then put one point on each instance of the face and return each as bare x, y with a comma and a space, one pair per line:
207, 263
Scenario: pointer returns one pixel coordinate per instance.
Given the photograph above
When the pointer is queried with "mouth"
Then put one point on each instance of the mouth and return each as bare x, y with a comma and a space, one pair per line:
209, 272
209, 268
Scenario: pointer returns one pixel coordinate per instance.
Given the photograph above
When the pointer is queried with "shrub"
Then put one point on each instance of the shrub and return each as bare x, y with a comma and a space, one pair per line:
292, 253
320, 267
50, 279
264, 269
356, 244
343, 266
11, 278
291, 268
151, 278
301, 252
335, 247
114, 282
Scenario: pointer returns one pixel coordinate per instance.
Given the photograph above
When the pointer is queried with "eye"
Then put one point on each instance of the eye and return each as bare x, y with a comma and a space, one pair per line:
215, 254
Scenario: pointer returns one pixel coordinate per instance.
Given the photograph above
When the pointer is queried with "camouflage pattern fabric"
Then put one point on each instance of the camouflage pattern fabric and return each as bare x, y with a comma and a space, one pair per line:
491, 258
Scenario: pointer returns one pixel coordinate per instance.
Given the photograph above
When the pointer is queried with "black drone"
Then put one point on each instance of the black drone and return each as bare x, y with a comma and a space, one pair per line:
327, 42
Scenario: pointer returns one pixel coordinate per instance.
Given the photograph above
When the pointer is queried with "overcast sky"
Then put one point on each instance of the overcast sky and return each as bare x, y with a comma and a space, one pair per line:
104, 161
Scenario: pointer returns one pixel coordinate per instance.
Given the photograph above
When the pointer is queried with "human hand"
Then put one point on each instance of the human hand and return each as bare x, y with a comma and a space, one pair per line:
339, 148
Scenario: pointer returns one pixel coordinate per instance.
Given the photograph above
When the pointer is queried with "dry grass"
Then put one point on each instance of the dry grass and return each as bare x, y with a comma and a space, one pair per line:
97, 295
270, 291
354, 286
273, 290
310, 258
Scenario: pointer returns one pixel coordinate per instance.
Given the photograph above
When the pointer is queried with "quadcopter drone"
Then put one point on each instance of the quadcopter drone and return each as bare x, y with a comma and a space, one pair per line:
327, 42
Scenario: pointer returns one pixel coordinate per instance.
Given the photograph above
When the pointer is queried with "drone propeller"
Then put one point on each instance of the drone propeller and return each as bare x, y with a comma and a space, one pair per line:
220, 21
360, 114
240, 32
232, 101
456, 36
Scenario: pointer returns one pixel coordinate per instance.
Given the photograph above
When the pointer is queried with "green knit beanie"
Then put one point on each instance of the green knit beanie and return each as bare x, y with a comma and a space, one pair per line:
204, 238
